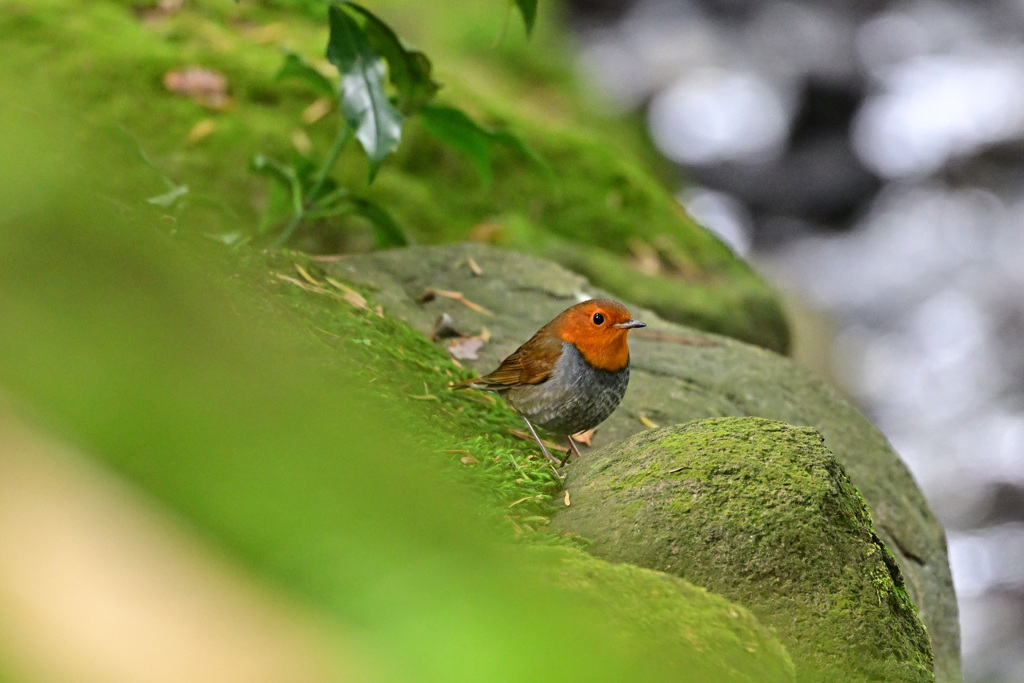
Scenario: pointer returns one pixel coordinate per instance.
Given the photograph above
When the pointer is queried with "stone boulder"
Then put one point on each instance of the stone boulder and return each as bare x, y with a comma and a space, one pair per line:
762, 513
679, 374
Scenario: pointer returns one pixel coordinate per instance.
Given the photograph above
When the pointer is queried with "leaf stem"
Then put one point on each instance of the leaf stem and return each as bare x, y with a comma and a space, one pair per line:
332, 158
309, 200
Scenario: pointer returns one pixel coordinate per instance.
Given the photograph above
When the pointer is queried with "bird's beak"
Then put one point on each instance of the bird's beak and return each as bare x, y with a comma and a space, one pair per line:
630, 324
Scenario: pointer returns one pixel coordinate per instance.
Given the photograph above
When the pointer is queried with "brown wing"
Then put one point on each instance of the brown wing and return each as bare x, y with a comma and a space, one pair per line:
531, 363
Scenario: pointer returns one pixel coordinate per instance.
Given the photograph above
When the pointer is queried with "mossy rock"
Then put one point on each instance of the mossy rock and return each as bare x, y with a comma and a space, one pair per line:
761, 512
702, 636
680, 374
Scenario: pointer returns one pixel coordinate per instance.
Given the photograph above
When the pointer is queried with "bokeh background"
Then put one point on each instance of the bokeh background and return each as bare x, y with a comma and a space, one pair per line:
867, 156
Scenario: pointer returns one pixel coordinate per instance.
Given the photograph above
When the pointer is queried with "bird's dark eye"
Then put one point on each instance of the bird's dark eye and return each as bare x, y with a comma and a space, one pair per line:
598, 318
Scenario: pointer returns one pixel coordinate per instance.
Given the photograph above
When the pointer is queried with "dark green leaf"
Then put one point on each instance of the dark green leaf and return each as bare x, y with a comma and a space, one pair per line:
424, 88
517, 143
295, 66
385, 230
305, 170
285, 195
331, 198
273, 168
409, 69
376, 122
454, 128
528, 8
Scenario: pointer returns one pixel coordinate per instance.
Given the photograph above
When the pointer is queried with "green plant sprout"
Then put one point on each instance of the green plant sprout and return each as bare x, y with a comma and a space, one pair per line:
382, 83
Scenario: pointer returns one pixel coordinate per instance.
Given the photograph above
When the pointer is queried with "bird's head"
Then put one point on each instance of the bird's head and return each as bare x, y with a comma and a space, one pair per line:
598, 328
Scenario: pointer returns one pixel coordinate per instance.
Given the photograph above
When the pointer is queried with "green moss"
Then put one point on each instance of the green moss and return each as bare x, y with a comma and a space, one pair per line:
761, 512
514, 484
598, 195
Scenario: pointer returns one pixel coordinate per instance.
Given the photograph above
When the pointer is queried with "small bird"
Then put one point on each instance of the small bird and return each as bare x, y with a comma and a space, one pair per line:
571, 374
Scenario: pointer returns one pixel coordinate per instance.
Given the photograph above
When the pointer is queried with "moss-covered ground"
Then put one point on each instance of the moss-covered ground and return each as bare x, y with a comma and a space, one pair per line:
469, 431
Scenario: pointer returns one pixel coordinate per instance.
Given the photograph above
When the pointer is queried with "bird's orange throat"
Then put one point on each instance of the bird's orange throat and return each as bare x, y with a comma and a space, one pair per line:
607, 352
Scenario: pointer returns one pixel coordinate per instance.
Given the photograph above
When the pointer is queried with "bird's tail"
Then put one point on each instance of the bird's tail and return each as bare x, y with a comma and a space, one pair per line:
475, 383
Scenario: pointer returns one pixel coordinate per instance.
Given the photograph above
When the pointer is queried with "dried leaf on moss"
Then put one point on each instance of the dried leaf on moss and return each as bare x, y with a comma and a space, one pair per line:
430, 294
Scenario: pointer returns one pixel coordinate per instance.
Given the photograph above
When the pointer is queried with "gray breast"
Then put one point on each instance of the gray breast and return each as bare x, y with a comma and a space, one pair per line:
575, 398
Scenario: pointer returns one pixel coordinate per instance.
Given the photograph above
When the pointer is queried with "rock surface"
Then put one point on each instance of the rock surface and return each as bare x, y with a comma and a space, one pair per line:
696, 632
761, 512
678, 375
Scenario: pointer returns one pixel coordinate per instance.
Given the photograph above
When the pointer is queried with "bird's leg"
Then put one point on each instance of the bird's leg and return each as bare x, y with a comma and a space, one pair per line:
541, 443
575, 449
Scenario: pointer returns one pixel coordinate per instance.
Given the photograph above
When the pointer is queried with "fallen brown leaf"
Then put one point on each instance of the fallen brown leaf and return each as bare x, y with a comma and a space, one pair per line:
163, 9
648, 422
303, 285
474, 266
524, 499
307, 277
468, 460
567, 498
301, 142
350, 295
268, 33
487, 232
478, 396
206, 86
465, 348
431, 293
316, 111
202, 129
355, 298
